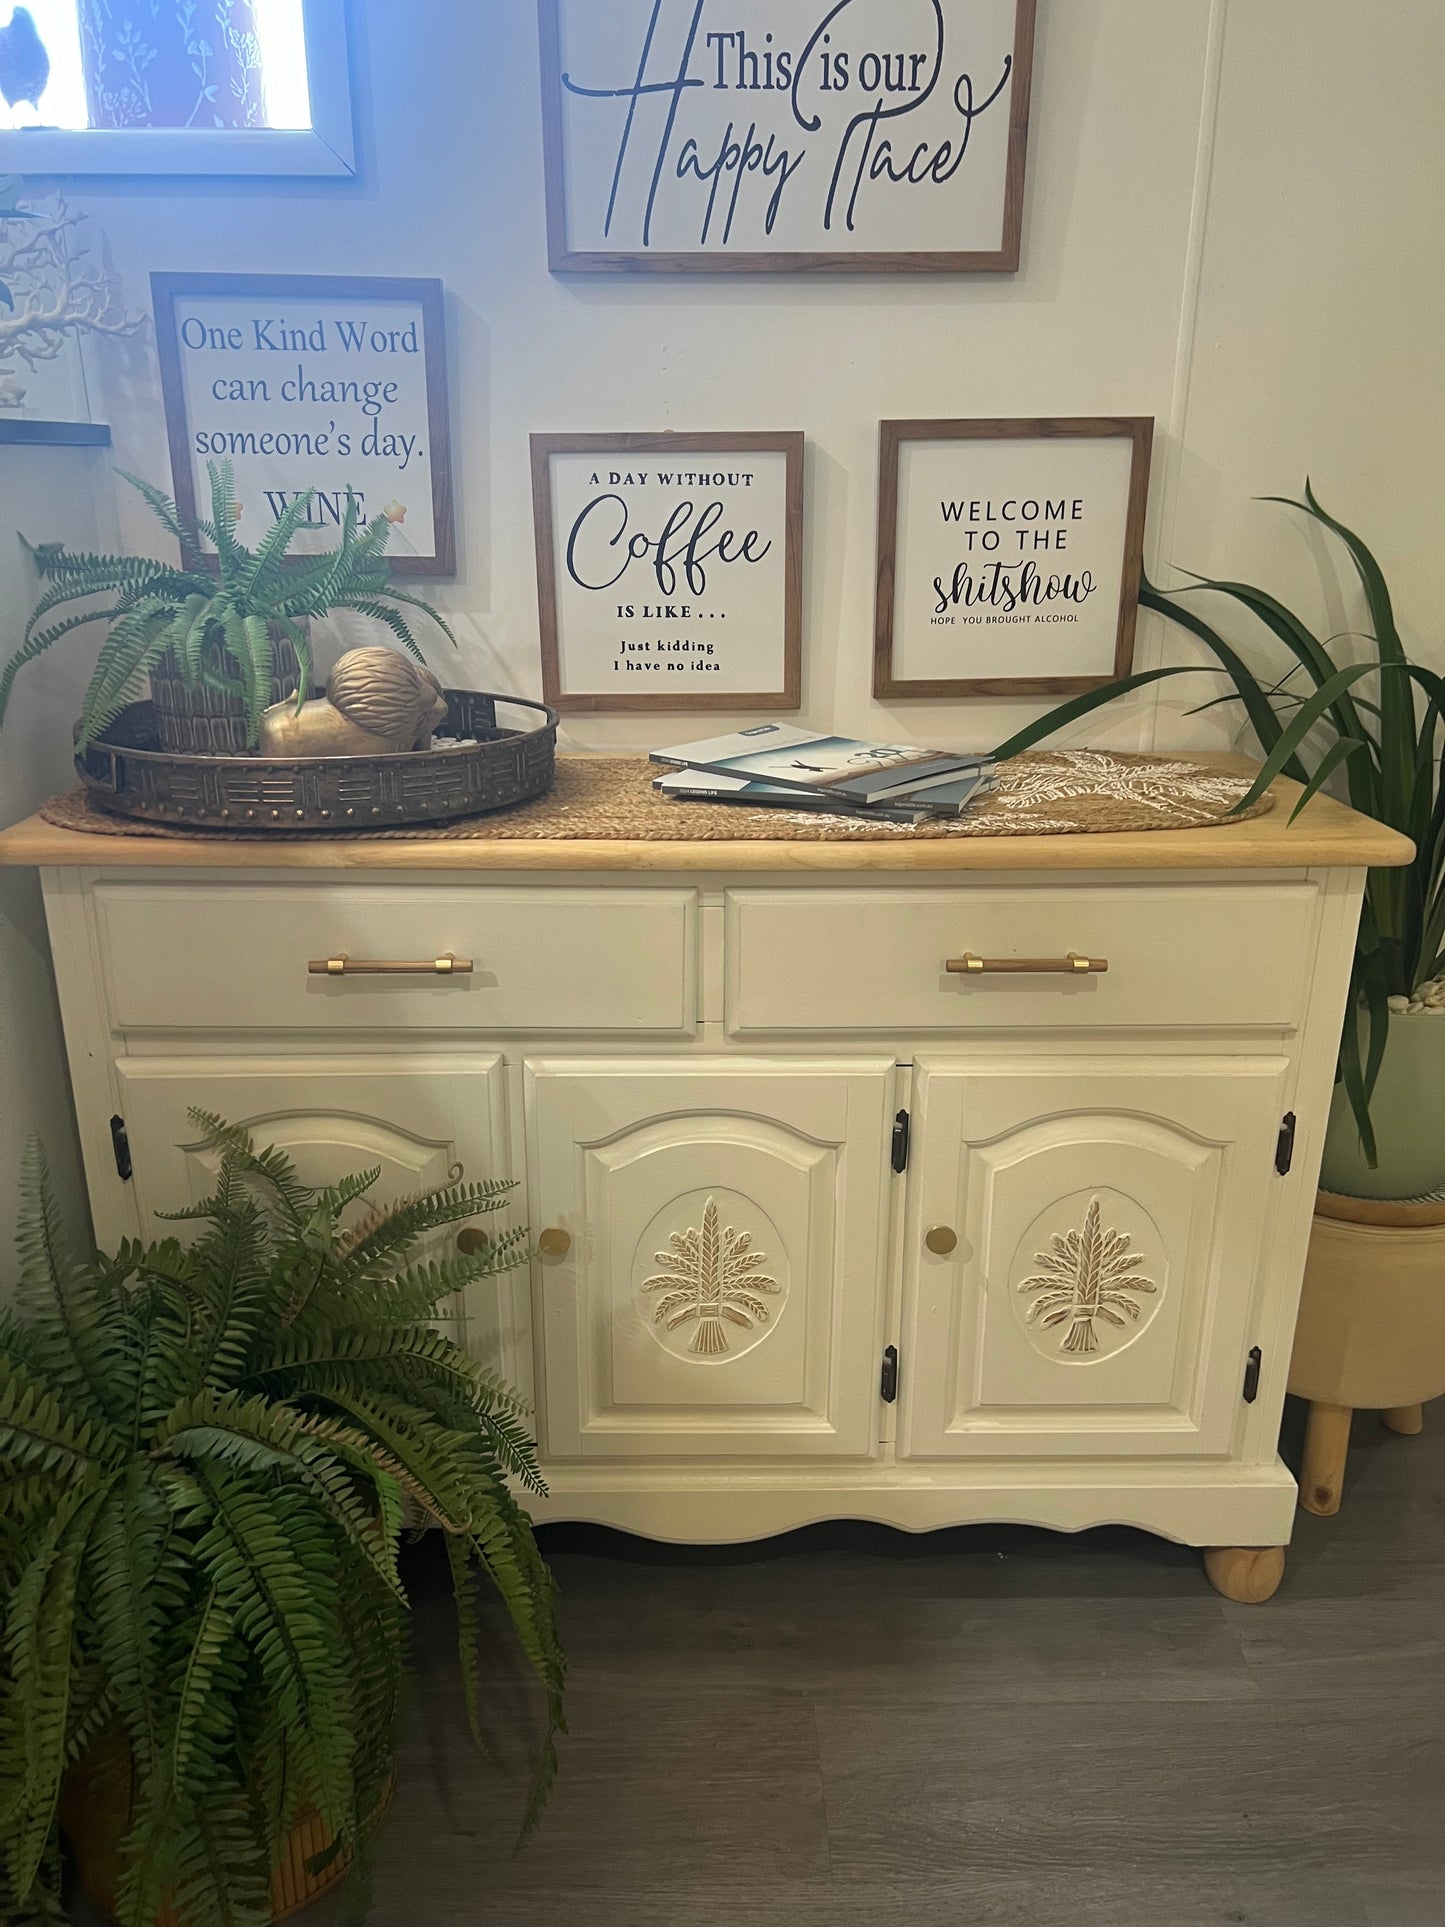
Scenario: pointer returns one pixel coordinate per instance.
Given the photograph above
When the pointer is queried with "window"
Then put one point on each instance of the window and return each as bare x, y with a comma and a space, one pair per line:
184, 86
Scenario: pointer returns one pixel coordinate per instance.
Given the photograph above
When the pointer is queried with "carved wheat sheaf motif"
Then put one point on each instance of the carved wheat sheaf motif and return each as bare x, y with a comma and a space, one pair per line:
1085, 1276
711, 1276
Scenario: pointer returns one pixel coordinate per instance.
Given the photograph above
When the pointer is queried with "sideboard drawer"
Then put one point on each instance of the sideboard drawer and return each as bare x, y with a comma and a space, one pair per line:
237, 957
1177, 954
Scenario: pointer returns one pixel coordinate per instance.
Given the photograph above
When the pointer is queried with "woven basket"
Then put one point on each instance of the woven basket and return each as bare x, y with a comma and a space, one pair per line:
477, 763
207, 722
95, 1810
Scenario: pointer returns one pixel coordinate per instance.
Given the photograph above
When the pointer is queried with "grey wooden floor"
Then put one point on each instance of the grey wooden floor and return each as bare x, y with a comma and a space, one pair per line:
850, 1726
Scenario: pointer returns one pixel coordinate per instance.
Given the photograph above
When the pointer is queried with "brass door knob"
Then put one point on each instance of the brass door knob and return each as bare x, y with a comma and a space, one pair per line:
555, 1242
472, 1241
942, 1240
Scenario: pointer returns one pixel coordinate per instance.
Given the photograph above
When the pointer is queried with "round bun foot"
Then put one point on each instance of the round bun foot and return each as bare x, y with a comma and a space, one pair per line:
1246, 1574
1405, 1419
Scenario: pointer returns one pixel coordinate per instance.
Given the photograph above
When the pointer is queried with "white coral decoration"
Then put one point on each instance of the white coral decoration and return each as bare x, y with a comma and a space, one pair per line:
1083, 1276
1169, 787
710, 1275
56, 290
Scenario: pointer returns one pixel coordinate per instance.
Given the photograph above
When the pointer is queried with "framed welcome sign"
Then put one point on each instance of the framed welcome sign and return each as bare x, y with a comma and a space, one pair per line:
1010, 555
764, 135
669, 570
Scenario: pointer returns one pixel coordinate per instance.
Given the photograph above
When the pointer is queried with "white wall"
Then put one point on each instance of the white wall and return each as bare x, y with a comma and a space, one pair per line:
1232, 224
50, 494
1231, 221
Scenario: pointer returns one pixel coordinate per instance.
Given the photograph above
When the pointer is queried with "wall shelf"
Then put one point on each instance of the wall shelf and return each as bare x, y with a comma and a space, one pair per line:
37, 434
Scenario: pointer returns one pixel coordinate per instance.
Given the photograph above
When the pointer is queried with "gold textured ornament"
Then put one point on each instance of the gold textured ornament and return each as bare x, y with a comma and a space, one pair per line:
377, 703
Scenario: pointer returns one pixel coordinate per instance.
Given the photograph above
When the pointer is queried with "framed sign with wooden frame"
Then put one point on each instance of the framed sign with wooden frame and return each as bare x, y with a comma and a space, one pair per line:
716, 136
302, 382
1010, 555
670, 571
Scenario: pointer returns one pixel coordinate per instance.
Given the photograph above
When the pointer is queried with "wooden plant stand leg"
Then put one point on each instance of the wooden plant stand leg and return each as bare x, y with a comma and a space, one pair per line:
1409, 1420
1246, 1574
1327, 1440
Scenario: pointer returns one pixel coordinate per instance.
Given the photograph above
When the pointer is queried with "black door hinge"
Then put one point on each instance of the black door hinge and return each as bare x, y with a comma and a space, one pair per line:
120, 1144
902, 1134
1251, 1375
1284, 1149
889, 1386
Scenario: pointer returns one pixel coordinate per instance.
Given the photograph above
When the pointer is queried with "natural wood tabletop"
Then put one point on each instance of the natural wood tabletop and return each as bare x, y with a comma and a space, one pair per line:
1325, 835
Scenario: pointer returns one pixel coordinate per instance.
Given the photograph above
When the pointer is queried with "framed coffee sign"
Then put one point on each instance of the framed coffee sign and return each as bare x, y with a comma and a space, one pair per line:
299, 382
1009, 555
669, 570
756, 135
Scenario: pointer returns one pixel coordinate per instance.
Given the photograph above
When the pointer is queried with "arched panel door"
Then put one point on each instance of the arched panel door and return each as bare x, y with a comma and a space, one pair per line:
720, 1293
416, 1118
1109, 1216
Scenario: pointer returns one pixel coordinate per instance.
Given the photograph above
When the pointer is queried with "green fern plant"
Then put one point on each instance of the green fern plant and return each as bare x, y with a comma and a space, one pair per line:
220, 629
1314, 723
205, 1452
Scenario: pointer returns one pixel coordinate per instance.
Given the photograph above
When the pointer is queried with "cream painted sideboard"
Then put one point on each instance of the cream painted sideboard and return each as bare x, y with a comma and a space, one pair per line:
827, 1228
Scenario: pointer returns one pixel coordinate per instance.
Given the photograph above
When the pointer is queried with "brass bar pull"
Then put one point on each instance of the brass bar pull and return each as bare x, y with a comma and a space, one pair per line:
1071, 966
447, 966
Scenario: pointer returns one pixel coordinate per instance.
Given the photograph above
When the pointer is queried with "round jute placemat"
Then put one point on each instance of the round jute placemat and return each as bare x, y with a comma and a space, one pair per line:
611, 799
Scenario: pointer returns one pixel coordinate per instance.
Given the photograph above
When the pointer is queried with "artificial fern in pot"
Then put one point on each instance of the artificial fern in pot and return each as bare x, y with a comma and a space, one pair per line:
206, 1450
219, 645
1366, 717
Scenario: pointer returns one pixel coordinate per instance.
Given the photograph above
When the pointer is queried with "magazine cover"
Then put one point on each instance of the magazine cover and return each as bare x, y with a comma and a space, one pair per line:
842, 766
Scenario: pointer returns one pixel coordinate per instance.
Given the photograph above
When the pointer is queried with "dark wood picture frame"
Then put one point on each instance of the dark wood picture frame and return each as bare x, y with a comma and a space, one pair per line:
789, 443
1136, 428
564, 259
425, 293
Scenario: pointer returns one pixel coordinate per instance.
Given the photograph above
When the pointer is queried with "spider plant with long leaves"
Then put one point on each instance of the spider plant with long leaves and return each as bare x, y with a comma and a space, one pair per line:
219, 625
205, 1450
1382, 747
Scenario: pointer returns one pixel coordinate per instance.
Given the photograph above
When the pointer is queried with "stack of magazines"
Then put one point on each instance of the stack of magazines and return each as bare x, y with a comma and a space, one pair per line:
777, 766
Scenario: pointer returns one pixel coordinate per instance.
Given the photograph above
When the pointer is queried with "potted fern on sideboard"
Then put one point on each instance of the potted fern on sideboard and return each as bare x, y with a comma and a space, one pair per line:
1371, 1330
207, 1449
219, 642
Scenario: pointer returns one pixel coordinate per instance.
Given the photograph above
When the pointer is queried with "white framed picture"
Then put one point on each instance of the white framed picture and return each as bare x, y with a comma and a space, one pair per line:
1010, 554
669, 570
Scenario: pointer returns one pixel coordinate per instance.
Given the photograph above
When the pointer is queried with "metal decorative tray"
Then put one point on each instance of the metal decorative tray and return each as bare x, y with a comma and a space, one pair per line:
477, 763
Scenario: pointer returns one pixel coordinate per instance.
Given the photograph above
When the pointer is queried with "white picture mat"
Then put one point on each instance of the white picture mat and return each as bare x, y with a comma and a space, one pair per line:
736, 625
395, 479
601, 45
1059, 638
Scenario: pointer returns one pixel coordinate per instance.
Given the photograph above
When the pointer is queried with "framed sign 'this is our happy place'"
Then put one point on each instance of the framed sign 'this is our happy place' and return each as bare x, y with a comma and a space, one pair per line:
853, 136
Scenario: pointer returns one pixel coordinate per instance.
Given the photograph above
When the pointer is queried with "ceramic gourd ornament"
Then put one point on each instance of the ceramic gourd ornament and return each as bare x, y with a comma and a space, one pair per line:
377, 703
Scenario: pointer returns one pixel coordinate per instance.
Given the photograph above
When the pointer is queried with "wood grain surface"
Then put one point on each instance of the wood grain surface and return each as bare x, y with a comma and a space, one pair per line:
1326, 835
998, 1727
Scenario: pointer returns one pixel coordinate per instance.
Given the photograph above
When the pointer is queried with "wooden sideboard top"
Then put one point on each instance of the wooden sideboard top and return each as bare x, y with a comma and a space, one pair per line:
1326, 835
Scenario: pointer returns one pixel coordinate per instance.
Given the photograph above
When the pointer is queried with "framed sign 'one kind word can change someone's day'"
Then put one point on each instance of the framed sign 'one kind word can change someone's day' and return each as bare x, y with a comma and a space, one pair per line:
855, 136
334, 384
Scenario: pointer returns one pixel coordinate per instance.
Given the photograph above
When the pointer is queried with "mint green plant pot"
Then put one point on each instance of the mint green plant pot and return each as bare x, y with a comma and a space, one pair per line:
1408, 1113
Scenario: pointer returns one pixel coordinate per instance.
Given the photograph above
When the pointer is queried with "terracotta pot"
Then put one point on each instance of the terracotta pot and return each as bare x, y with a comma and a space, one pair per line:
95, 1809
1371, 1330
205, 722
1408, 1113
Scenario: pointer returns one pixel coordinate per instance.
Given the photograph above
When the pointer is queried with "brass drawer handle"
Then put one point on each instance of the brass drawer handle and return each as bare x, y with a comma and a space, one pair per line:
1071, 966
447, 966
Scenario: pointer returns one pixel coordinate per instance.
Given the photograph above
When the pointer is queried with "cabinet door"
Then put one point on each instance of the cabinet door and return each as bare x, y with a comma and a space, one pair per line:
723, 1290
418, 1118
1110, 1213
